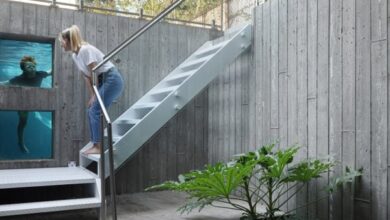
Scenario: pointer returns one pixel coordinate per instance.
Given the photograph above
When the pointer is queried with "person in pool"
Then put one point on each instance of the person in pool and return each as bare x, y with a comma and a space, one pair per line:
29, 77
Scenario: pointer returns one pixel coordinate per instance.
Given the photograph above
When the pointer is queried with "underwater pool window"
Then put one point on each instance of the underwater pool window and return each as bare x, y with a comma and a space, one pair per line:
27, 136
26, 61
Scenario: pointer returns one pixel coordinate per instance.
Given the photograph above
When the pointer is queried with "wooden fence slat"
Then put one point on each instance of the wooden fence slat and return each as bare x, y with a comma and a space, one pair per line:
252, 102
29, 19
348, 101
172, 124
283, 75
312, 97
388, 109
302, 97
378, 19
274, 71
5, 9
266, 127
182, 164
258, 59
15, 21
162, 70
335, 100
226, 112
322, 100
66, 75
379, 129
42, 21
363, 112
292, 104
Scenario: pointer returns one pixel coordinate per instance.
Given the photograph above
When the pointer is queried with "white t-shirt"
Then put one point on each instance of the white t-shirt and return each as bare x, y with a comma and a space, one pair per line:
87, 55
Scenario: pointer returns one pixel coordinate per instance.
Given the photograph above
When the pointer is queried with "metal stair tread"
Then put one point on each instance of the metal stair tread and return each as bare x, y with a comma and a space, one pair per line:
195, 61
130, 121
17, 178
210, 48
145, 105
49, 206
94, 157
163, 90
181, 75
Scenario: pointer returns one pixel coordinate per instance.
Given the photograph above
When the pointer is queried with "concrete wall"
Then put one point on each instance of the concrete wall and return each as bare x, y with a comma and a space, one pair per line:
239, 11
178, 147
318, 76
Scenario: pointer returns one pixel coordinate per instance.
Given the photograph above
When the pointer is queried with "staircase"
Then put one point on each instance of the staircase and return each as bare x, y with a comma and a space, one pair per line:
136, 125
130, 131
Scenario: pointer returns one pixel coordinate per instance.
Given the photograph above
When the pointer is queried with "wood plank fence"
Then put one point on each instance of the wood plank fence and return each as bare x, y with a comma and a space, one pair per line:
317, 75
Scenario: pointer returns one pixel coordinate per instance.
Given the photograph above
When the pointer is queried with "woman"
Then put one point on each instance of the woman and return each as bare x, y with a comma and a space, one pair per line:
86, 57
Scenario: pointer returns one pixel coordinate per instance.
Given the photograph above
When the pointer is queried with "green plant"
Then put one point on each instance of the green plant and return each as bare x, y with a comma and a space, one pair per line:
188, 10
264, 176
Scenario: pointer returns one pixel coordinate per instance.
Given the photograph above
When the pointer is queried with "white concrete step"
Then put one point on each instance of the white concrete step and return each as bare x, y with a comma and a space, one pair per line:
49, 206
18, 178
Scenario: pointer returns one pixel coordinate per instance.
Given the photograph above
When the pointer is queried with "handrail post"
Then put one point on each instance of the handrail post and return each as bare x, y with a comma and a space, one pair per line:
222, 15
53, 4
112, 174
102, 173
81, 5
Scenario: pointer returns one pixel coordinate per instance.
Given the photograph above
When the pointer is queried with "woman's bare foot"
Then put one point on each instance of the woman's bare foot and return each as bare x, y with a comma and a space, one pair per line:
95, 149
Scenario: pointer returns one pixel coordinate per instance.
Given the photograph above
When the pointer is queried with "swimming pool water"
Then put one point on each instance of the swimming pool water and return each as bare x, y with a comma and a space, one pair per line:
37, 136
12, 51
38, 130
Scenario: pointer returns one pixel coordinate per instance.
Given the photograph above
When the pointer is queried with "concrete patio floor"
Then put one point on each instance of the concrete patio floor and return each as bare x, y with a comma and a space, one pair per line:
163, 206
141, 206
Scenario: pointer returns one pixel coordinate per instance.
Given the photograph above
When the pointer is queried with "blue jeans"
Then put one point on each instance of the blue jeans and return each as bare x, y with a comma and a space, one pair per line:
109, 90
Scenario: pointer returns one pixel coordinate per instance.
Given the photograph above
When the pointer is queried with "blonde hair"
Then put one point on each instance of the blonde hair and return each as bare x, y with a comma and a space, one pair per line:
73, 35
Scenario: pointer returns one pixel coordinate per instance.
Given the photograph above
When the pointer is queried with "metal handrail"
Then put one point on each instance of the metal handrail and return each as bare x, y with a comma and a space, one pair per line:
121, 46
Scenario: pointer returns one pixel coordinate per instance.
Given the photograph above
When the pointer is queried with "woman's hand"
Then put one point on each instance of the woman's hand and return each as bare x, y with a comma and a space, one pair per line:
91, 100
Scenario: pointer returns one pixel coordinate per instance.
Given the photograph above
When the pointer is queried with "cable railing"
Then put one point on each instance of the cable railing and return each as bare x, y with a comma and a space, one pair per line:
105, 115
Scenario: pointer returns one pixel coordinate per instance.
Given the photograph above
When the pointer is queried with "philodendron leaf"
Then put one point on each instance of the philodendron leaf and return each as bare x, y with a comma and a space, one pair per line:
308, 170
348, 177
283, 158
